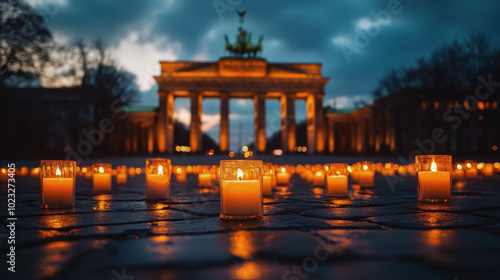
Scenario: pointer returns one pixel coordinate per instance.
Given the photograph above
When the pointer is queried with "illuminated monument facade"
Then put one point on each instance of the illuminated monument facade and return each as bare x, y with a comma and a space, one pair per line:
242, 74
251, 78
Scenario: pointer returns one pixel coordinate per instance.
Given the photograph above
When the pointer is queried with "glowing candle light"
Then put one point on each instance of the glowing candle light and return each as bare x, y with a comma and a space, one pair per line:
366, 174
101, 177
241, 195
471, 171
158, 173
336, 179
319, 179
283, 178
434, 185
121, 175
57, 188
267, 179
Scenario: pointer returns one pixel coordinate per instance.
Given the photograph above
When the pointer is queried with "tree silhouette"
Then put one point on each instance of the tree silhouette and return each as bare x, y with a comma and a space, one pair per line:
452, 67
25, 44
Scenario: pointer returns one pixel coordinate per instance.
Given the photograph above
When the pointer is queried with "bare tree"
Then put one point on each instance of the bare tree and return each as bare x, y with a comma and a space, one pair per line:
25, 44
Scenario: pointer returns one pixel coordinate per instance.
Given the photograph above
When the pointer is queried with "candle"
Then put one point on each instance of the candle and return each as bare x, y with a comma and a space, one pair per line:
282, 177
458, 173
336, 179
267, 185
337, 185
241, 195
181, 178
487, 170
471, 171
366, 176
434, 184
319, 179
267, 179
57, 188
102, 180
158, 179
121, 175
204, 179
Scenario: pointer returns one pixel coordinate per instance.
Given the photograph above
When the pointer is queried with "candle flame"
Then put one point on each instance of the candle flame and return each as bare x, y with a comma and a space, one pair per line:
433, 167
179, 170
283, 169
337, 172
239, 175
101, 170
469, 165
459, 166
160, 170
365, 167
58, 172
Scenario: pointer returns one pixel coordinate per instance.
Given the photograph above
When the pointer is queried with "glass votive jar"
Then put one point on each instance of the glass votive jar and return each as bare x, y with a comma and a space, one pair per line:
487, 169
458, 171
433, 178
267, 179
101, 176
336, 179
319, 175
204, 176
57, 183
283, 175
180, 174
471, 171
241, 189
158, 171
121, 175
366, 174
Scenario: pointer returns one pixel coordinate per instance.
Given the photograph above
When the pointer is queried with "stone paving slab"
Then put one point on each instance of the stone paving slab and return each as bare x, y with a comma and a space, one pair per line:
380, 232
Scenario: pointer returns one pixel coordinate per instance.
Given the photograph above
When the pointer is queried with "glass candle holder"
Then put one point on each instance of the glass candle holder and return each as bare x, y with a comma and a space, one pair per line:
336, 179
458, 171
57, 183
487, 170
319, 175
471, 171
158, 171
433, 178
121, 175
283, 175
204, 176
267, 179
180, 174
241, 189
366, 173
101, 176
354, 173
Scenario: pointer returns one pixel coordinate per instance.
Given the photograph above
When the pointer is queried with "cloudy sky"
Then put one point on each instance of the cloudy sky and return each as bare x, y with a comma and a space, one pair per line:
356, 41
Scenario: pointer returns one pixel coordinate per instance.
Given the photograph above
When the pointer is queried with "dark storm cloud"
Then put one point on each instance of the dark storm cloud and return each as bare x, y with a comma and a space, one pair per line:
295, 31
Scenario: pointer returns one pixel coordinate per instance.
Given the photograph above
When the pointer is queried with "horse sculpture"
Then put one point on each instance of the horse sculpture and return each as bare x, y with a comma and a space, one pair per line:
243, 45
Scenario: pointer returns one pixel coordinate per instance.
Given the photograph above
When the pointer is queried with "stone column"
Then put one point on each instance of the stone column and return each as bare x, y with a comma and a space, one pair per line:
360, 136
150, 137
224, 122
320, 124
311, 123
260, 122
170, 100
195, 129
135, 137
161, 128
288, 137
354, 141
331, 137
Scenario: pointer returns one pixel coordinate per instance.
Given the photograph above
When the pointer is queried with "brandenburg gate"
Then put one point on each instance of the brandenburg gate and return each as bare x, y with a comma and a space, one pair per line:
239, 77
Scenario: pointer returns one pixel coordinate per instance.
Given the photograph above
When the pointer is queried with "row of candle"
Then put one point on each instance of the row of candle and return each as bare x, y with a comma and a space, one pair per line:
433, 179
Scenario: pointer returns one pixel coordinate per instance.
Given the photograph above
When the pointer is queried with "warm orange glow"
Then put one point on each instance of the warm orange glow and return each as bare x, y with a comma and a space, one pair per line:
84, 169
101, 170
179, 170
241, 244
58, 172
283, 170
365, 167
433, 167
239, 175
496, 165
494, 148
138, 171
480, 165
469, 165
160, 170
231, 154
459, 166
248, 270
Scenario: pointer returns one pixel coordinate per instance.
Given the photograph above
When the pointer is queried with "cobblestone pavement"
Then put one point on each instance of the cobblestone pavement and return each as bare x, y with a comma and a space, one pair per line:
377, 233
